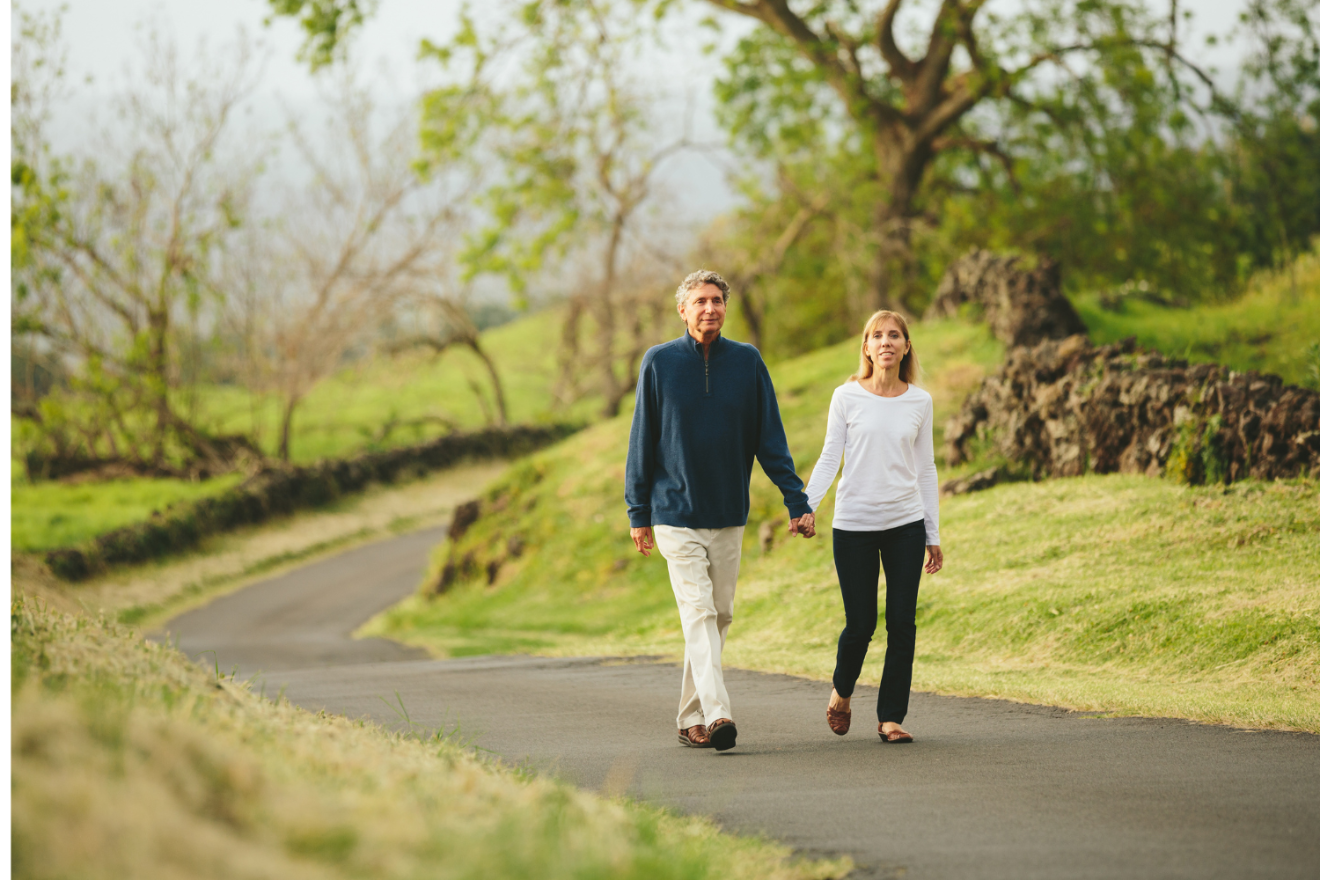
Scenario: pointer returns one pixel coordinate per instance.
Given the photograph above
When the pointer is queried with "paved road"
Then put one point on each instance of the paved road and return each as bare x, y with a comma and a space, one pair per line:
991, 789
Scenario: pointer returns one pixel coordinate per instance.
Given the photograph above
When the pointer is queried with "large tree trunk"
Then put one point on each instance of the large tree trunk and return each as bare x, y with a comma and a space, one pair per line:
902, 165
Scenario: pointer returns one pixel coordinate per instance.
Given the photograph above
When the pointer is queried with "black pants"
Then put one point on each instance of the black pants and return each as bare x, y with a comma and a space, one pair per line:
857, 558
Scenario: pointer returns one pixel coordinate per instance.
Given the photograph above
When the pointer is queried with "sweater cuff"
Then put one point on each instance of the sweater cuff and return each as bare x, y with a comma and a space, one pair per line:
797, 510
640, 520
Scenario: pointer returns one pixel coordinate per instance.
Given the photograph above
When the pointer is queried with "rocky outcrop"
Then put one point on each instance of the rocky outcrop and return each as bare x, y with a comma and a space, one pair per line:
1065, 407
1022, 306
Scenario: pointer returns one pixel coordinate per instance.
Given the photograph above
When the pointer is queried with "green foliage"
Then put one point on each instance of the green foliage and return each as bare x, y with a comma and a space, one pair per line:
1197, 457
1128, 169
1312, 379
326, 24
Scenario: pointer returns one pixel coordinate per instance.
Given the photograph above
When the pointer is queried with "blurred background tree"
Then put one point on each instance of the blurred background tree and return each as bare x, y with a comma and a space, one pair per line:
875, 142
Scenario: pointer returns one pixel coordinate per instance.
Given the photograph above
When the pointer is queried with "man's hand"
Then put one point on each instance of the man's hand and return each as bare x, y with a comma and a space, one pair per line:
644, 540
804, 525
935, 560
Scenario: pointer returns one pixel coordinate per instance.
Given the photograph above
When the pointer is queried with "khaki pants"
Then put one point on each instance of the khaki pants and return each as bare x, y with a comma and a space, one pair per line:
703, 570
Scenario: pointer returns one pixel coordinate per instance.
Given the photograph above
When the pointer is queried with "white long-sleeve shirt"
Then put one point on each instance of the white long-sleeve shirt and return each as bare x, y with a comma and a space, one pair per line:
888, 453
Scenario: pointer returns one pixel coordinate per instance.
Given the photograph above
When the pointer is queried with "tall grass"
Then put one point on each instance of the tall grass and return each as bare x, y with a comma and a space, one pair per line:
129, 761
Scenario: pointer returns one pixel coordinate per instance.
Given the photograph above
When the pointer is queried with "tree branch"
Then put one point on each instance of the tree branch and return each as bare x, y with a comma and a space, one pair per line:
899, 64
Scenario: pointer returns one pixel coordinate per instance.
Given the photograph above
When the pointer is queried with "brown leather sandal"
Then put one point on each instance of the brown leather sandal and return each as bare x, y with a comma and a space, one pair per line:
695, 737
839, 720
893, 736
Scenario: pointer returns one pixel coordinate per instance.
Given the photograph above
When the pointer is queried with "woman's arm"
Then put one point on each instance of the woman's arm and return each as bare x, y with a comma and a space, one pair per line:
928, 482
827, 466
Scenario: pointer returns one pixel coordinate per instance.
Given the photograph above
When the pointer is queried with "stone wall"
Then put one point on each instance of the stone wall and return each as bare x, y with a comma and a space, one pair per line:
1066, 407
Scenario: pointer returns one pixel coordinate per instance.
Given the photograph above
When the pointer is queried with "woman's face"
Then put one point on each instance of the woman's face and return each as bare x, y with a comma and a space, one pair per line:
886, 345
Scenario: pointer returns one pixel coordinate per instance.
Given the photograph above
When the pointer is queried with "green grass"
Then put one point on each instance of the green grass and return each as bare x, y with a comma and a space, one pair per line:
48, 515
130, 761
346, 412
341, 417
1105, 593
1269, 329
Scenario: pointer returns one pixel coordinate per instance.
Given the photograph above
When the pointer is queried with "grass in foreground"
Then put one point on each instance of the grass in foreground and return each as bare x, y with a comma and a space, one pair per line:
129, 761
1104, 593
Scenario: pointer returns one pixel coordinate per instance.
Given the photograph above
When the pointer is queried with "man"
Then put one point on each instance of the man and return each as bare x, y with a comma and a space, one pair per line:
705, 408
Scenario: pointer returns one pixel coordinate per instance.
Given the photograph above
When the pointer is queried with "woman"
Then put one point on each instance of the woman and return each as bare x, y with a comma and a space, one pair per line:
886, 513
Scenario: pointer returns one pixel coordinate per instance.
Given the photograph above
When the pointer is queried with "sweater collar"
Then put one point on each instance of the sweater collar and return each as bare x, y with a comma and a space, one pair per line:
695, 346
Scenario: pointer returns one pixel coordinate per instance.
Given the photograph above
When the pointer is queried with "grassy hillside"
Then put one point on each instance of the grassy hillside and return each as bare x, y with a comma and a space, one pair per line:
1272, 328
1115, 593
347, 412
130, 761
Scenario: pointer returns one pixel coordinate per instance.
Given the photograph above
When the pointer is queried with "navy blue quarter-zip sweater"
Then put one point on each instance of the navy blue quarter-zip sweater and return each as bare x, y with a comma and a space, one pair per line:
697, 426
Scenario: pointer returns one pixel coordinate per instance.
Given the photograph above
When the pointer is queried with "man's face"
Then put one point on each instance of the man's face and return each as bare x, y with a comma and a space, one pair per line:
703, 312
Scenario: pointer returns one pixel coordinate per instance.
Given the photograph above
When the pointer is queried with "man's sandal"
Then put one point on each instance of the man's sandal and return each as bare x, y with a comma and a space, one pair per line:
723, 734
695, 737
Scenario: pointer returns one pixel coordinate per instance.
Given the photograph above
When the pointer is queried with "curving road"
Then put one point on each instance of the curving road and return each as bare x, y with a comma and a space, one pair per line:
991, 789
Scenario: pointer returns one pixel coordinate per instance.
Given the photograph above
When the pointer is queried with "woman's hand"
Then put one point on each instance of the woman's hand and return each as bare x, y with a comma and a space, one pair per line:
935, 558
804, 525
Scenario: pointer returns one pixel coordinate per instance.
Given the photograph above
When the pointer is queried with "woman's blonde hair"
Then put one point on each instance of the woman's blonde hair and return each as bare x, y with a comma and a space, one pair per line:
908, 369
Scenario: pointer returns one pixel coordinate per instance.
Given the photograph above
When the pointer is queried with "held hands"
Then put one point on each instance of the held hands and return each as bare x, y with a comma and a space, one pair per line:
644, 540
804, 525
935, 558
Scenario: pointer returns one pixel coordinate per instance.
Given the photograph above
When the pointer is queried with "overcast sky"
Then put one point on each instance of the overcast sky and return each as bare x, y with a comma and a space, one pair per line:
100, 33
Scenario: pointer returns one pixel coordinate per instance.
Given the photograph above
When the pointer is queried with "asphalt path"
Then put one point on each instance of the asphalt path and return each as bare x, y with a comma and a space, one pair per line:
990, 789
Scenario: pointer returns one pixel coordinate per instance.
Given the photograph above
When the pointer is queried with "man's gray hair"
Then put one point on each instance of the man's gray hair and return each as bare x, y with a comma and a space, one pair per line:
701, 278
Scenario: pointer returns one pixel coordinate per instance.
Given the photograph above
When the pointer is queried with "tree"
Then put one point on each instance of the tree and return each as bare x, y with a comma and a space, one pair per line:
911, 108
1273, 157
370, 230
574, 158
548, 101
114, 257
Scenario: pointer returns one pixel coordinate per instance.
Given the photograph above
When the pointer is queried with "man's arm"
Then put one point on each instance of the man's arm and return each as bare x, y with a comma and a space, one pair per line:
639, 473
772, 453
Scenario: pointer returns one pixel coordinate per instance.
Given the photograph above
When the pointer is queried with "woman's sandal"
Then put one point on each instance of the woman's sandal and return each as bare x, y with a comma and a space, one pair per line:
893, 736
838, 719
